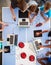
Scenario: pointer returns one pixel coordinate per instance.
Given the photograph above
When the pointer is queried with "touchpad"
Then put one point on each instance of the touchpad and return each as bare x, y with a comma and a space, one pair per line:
23, 19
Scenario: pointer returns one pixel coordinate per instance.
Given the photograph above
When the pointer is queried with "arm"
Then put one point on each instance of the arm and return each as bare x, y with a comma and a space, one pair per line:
48, 53
42, 14
39, 33
47, 41
12, 12
31, 19
45, 46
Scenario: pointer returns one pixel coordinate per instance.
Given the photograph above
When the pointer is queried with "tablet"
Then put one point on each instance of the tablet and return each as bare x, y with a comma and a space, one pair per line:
7, 48
37, 43
37, 31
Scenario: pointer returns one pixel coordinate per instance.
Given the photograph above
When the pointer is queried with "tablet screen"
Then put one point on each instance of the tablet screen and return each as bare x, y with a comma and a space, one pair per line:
37, 31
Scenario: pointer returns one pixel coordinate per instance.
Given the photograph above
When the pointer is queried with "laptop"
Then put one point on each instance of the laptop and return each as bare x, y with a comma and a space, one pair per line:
37, 43
23, 19
12, 39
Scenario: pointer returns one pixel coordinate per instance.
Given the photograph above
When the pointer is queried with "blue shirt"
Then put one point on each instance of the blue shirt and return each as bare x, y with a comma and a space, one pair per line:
47, 13
49, 59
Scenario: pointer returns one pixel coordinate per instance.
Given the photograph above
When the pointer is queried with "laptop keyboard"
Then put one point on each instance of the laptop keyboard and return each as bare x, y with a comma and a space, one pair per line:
23, 23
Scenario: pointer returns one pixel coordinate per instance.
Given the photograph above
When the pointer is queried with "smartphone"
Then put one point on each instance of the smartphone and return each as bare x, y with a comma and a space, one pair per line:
16, 40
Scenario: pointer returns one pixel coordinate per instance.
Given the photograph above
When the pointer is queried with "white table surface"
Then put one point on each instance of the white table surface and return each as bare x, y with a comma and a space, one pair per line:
24, 34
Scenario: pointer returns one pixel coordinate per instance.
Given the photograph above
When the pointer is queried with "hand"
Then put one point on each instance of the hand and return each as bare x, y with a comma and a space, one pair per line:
47, 53
5, 50
46, 41
40, 46
14, 17
39, 24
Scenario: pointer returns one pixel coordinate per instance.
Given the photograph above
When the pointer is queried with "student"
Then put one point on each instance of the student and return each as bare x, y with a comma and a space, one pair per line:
22, 4
33, 10
45, 11
2, 25
47, 59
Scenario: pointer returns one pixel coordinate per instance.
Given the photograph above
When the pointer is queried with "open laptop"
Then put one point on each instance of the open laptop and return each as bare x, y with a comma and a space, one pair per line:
12, 39
23, 19
37, 43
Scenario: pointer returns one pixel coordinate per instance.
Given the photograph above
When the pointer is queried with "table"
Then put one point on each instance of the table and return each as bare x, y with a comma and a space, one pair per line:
24, 34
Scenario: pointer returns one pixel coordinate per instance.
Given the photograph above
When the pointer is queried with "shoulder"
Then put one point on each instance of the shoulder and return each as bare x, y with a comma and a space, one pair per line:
41, 8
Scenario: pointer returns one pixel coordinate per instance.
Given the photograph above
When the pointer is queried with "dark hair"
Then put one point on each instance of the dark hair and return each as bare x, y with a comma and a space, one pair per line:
37, 10
22, 5
32, 8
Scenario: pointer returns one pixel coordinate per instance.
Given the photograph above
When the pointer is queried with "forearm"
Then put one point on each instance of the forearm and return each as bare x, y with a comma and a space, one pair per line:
45, 31
12, 10
47, 46
46, 19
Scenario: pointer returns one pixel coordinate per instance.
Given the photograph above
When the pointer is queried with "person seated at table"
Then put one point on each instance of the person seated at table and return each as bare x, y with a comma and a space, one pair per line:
46, 59
2, 25
22, 4
45, 12
33, 10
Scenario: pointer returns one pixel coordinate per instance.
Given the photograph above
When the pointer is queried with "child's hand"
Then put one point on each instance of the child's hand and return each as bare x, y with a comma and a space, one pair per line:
47, 53
14, 18
46, 41
40, 46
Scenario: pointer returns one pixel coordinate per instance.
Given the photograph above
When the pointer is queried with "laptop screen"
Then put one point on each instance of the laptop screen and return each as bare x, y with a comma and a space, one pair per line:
23, 15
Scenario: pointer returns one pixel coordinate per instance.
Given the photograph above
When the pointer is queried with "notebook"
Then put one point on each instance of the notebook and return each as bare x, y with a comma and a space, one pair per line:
23, 19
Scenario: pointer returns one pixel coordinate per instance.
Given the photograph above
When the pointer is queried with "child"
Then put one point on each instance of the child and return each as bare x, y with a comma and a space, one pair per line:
22, 4
2, 25
33, 10
47, 59
45, 11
